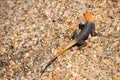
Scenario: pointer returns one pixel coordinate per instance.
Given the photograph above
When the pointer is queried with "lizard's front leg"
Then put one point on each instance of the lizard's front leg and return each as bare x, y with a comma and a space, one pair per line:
93, 33
76, 32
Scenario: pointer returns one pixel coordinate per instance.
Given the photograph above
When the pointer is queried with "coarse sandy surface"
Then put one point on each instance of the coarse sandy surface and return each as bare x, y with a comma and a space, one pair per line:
32, 31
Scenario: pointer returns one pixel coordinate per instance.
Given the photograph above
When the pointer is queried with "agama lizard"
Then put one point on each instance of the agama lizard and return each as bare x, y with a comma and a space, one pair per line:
88, 28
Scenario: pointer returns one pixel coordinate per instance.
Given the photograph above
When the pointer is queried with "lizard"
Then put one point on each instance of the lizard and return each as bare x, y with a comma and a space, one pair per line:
78, 38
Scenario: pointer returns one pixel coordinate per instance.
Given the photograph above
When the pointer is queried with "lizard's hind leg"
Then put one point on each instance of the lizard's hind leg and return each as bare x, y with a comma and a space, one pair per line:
81, 44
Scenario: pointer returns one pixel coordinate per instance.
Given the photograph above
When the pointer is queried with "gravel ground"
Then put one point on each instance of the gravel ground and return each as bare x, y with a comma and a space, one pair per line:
32, 31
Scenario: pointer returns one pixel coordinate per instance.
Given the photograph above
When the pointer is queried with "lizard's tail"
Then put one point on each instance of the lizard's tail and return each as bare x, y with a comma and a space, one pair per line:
53, 59
58, 54
73, 42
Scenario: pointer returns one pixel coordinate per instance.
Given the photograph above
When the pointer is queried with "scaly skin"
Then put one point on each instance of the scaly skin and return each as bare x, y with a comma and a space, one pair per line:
79, 39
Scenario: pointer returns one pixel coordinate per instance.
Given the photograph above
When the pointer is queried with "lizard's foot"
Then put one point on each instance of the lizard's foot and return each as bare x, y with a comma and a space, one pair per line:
93, 33
81, 44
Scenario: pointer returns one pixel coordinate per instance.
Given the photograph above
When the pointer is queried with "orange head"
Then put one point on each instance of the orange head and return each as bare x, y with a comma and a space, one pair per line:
87, 16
